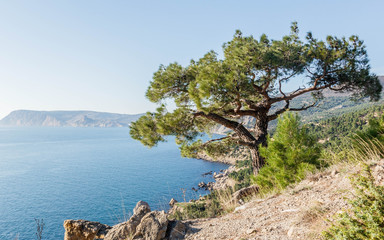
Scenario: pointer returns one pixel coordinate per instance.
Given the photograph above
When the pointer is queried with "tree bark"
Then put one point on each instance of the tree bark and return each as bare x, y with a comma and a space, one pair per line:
260, 129
244, 135
257, 160
260, 132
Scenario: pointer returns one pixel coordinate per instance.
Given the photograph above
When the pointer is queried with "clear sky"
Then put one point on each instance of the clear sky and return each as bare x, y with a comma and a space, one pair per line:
100, 55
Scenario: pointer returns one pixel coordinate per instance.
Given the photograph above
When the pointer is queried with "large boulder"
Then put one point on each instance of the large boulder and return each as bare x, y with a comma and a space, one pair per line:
141, 209
153, 226
127, 229
84, 230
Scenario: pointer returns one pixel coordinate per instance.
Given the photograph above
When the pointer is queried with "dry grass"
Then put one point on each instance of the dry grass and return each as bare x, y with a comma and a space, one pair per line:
362, 151
368, 150
226, 200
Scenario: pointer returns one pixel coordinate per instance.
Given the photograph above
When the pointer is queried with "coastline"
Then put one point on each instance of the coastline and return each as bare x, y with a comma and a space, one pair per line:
141, 222
224, 159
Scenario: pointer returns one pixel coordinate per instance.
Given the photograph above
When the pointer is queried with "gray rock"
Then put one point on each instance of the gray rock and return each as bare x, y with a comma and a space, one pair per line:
206, 186
127, 229
206, 174
153, 226
84, 230
220, 175
141, 209
121, 231
176, 230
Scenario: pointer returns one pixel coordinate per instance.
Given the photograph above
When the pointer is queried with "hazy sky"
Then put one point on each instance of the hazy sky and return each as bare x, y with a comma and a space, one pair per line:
100, 55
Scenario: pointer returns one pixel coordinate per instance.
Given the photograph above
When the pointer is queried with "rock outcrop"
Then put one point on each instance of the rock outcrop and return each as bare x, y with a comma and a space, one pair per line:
143, 225
84, 230
127, 229
153, 226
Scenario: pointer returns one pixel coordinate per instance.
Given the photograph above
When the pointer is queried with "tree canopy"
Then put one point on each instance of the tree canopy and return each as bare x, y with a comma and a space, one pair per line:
248, 83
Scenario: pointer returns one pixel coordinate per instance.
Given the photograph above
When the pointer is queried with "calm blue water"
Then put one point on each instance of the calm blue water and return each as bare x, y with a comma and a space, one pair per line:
96, 174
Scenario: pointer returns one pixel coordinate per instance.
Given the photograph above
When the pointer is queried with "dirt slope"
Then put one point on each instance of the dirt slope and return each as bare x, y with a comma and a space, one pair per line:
298, 213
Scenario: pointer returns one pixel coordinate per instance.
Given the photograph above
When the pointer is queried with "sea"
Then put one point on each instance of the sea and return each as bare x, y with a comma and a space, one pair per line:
97, 174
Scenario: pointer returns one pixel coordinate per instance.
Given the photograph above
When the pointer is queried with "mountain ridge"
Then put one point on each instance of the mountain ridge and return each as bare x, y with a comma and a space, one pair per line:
62, 118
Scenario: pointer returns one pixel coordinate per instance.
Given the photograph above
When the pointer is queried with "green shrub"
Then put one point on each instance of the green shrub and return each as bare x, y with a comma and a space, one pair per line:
365, 219
195, 210
201, 209
214, 204
243, 163
243, 177
289, 156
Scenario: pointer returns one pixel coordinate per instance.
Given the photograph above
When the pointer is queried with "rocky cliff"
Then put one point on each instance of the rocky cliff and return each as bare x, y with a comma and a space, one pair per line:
67, 119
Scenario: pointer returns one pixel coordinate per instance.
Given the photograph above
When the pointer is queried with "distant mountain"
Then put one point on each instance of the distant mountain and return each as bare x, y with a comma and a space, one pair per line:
68, 119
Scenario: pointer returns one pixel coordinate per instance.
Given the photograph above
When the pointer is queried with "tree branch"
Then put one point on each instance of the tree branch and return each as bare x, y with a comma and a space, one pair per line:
278, 112
288, 77
286, 108
238, 128
257, 88
299, 92
281, 92
261, 90
238, 103
241, 113
214, 140
303, 108
248, 144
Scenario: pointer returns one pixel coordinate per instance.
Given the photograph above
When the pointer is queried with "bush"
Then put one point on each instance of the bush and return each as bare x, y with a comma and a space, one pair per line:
243, 163
289, 156
365, 219
243, 177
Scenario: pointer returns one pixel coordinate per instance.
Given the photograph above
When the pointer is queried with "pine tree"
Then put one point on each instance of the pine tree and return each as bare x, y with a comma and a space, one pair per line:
249, 82
289, 154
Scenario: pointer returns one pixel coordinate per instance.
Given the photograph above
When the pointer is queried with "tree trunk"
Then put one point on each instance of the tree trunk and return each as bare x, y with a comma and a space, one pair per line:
261, 128
260, 132
257, 160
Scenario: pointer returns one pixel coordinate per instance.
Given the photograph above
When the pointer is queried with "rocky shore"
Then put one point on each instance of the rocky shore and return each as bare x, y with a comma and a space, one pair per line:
147, 224
144, 223
299, 212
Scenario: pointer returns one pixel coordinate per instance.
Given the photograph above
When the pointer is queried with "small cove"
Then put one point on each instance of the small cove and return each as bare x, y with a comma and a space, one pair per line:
96, 174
